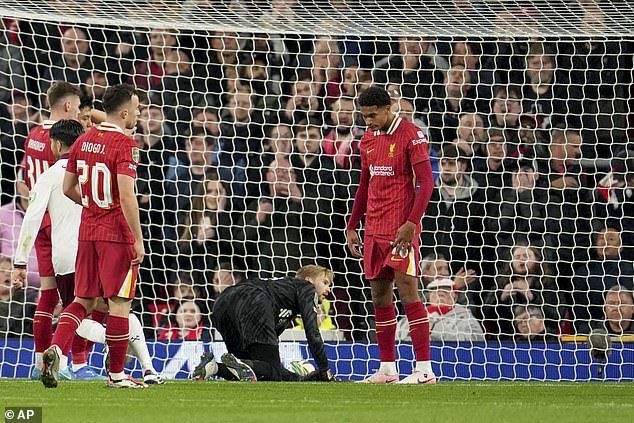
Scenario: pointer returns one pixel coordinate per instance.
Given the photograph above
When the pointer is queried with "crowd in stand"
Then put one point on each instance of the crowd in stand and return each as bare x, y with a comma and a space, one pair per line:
250, 159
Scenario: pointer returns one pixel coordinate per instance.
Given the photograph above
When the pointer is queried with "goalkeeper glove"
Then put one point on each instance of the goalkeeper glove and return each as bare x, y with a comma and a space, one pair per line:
319, 376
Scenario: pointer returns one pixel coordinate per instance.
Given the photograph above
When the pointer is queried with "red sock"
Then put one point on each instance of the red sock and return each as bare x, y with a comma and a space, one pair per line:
68, 323
419, 329
43, 319
79, 348
98, 317
386, 332
117, 340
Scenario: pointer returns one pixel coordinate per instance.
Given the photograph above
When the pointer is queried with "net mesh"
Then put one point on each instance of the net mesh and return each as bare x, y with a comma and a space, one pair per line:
249, 141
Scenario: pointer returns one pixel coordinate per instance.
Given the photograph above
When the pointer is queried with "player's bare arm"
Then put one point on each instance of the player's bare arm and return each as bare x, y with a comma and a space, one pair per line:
130, 209
71, 187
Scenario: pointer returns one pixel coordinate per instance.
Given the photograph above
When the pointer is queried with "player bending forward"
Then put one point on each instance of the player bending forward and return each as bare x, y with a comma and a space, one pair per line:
252, 314
394, 191
100, 175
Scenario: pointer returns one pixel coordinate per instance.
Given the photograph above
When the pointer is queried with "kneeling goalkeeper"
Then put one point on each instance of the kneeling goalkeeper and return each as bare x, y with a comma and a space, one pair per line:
252, 314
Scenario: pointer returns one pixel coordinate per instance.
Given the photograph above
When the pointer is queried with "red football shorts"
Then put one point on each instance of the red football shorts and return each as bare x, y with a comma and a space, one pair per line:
44, 248
379, 263
103, 269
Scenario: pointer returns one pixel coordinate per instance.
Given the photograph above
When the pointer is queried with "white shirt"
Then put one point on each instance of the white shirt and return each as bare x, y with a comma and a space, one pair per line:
65, 218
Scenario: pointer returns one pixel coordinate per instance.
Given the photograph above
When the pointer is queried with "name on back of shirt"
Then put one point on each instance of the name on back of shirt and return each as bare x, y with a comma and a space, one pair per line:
93, 147
36, 145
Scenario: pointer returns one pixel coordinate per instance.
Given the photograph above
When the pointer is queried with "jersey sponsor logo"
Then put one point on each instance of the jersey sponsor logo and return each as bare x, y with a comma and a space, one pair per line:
381, 171
420, 134
422, 140
36, 145
392, 148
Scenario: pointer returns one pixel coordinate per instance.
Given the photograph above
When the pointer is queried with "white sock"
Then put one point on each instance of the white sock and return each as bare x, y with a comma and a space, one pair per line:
63, 362
117, 376
138, 345
38, 360
92, 331
423, 366
77, 366
387, 368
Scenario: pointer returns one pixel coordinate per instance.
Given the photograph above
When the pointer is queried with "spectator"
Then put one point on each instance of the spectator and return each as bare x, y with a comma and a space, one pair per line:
481, 70
450, 100
414, 68
517, 210
72, 64
186, 325
279, 139
530, 324
470, 131
341, 142
619, 311
271, 228
183, 177
449, 321
523, 278
505, 114
226, 274
95, 87
568, 209
315, 173
11, 217
435, 267
305, 99
179, 89
15, 118
547, 93
605, 270
147, 74
239, 145
206, 235
453, 220
16, 305
614, 198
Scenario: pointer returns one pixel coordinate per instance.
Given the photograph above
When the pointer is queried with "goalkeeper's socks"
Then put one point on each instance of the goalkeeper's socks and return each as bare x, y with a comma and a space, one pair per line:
386, 332
419, 329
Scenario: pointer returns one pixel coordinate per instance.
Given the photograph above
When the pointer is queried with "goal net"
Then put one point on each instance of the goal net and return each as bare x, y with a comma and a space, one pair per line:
250, 158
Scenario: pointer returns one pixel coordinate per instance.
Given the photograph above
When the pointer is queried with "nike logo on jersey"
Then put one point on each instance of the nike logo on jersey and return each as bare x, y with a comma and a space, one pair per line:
370, 150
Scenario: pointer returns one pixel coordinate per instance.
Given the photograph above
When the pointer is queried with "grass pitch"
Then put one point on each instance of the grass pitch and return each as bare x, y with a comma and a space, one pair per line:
184, 402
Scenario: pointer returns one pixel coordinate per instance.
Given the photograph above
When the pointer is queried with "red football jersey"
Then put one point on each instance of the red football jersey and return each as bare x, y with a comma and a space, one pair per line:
38, 156
97, 157
389, 156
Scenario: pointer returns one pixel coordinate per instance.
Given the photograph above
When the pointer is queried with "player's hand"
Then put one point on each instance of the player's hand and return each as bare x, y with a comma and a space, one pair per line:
404, 239
18, 277
139, 253
319, 376
354, 243
464, 278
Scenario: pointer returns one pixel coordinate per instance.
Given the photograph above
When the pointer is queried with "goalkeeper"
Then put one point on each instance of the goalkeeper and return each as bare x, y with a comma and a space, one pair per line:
252, 314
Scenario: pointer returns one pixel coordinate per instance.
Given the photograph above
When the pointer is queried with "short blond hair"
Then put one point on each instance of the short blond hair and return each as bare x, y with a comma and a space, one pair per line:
314, 271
